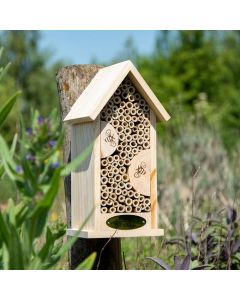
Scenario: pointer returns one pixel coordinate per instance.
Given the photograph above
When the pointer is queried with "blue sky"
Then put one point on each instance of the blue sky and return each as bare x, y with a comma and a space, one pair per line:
81, 47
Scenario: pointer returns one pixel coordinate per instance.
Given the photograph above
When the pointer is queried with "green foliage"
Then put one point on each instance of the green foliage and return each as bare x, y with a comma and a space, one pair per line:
33, 165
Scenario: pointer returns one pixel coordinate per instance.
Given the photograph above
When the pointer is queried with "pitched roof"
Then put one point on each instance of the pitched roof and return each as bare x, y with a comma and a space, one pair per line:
99, 91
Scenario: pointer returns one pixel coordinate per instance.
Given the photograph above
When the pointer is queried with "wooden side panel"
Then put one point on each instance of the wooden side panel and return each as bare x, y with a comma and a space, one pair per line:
153, 177
84, 178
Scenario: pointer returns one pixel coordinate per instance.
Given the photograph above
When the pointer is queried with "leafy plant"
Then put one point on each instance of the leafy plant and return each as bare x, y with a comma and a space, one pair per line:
33, 164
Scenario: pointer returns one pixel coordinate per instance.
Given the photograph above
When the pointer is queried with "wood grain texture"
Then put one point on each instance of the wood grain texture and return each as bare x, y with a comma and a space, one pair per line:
71, 82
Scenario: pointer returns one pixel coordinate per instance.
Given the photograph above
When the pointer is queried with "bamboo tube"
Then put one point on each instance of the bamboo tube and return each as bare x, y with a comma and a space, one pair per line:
104, 194
108, 112
126, 112
110, 190
104, 172
127, 161
131, 124
115, 203
121, 185
136, 195
127, 118
110, 174
121, 199
146, 123
124, 87
104, 180
124, 144
147, 130
129, 105
108, 119
146, 137
131, 89
133, 144
141, 119
130, 193
147, 208
118, 191
135, 203
146, 108
128, 138
134, 136
140, 148
140, 112
111, 103
121, 163
124, 193
146, 145
115, 171
147, 201
125, 94
121, 136
115, 164
115, 123
112, 209
128, 186
110, 180
114, 185
128, 209
128, 201
123, 155
122, 104
133, 111
140, 126
109, 168
140, 140
120, 208
124, 124
118, 91
114, 116
103, 188
109, 202
140, 132
117, 99
134, 118
120, 129
120, 111
103, 114
118, 178
137, 96
121, 118
147, 115
137, 209
127, 131
103, 202
128, 149
125, 177
122, 170
120, 148
142, 206
128, 82
142, 102
113, 196
130, 155
136, 105
131, 98
141, 198
104, 210
109, 159
116, 157
134, 151
104, 162
114, 108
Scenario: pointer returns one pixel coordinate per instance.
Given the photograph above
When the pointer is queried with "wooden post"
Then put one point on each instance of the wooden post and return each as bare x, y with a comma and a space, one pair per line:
71, 82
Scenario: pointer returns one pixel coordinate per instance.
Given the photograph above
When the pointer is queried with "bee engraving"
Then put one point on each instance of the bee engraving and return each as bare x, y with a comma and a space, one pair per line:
110, 138
140, 170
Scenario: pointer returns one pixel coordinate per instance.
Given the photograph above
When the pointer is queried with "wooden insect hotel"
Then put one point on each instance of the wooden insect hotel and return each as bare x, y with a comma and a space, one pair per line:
118, 113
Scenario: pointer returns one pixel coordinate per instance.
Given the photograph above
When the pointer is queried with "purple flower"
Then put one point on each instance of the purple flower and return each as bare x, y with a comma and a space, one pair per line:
40, 120
52, 143
55, 165
29, 131
30, 157
19, 169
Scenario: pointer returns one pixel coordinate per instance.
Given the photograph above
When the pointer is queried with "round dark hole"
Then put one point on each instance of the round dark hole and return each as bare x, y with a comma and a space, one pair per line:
126, 222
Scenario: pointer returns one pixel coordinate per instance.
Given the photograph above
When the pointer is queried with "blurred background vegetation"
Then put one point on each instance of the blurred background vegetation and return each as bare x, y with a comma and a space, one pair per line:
196, 76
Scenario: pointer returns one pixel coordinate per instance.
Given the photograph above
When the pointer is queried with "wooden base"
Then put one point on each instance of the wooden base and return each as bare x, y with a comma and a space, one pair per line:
90, 234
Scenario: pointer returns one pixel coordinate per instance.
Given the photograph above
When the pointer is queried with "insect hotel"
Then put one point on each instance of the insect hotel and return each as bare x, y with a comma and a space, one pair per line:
118, 180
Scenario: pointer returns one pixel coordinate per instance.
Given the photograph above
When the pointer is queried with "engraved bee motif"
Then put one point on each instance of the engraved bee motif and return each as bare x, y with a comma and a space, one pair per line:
110, 138
140, 170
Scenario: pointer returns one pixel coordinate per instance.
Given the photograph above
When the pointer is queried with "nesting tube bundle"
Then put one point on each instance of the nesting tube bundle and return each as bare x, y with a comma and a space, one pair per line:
129, 114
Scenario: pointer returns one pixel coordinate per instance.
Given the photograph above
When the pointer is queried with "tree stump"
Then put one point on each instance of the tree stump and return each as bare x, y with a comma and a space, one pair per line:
71, 82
